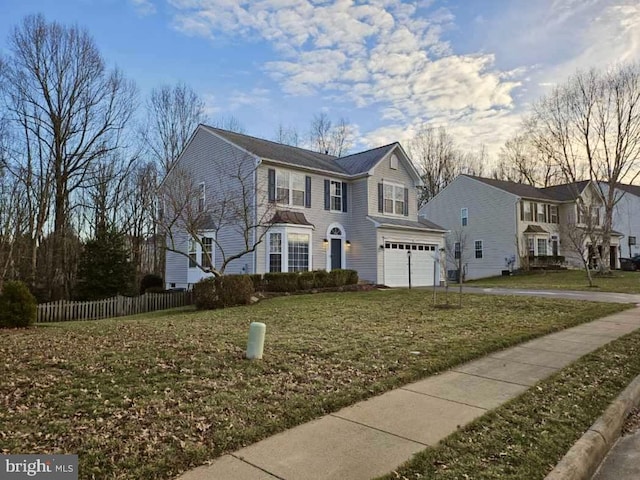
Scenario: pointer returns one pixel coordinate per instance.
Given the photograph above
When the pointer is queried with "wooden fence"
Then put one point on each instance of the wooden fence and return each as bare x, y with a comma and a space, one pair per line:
63, 310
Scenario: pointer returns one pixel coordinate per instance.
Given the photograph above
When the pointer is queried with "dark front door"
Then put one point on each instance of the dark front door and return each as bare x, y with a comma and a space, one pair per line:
613, 254
336, 253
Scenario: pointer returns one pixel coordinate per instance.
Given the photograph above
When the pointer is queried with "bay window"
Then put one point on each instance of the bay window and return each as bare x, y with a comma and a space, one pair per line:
289, 249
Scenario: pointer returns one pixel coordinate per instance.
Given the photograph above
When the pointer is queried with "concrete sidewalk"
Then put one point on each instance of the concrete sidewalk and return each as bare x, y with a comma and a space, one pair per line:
373, 437
608, 297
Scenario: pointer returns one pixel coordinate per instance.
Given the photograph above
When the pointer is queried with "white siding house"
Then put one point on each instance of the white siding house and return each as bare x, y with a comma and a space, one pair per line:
356, 212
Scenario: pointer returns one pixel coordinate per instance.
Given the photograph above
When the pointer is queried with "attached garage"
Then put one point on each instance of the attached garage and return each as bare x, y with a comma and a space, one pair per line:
416, 260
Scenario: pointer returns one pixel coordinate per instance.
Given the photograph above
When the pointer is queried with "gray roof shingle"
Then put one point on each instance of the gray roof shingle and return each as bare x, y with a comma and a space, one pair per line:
421, 224
280, 152
566, 192
364, 161
350, 165
519, 189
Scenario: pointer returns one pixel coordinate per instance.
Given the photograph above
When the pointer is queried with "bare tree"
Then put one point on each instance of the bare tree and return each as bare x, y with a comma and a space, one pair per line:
173, 113
520, 162
457, 253
440, 161
230, 123
287, 135
327, 137
592, 123
73, 111
205, 217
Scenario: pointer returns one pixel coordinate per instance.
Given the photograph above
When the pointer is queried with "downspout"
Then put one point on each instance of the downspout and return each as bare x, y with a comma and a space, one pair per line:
255, 213
517, 211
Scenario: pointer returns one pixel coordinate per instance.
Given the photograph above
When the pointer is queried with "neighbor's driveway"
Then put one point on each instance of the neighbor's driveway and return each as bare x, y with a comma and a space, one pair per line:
575, 295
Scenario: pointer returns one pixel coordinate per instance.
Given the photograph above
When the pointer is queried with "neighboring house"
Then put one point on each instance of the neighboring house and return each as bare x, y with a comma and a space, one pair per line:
497, 225
626, 218
357, 212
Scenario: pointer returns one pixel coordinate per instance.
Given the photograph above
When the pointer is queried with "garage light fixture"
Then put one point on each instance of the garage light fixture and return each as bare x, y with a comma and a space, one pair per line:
325, 242
347, 243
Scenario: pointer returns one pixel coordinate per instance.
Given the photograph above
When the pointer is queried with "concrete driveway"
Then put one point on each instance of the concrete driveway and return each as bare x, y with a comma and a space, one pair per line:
569, 294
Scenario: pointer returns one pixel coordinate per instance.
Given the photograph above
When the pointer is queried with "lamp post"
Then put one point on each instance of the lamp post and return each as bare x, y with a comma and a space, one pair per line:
409, 258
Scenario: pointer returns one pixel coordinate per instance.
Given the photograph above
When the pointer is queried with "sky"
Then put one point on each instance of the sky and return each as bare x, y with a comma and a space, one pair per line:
387, 66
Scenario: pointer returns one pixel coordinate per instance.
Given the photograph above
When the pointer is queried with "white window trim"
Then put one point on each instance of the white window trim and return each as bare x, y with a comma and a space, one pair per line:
198, 249
395, 185
331, 196
291, 174
546, 243
464, 215
476, 250
393, 162
343, 237
284, 230
457, 250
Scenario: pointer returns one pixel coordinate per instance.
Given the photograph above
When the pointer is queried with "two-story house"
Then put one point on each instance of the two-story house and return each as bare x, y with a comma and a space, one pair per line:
498, 225
626, 218
357, 212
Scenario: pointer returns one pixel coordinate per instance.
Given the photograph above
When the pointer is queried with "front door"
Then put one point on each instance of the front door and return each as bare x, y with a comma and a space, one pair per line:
613, 256
336, 253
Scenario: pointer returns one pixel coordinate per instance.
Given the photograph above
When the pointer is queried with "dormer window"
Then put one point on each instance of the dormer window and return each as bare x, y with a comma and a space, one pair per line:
393, 162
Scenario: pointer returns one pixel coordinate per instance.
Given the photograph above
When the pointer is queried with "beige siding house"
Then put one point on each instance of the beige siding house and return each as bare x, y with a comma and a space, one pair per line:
357, 212
496, 225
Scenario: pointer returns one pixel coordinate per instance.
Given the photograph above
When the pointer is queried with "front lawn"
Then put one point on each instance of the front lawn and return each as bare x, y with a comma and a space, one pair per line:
621, 282
152, 396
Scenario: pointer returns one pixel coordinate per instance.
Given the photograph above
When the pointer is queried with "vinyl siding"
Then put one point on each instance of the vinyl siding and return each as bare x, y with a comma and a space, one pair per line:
492, 219
626, 220
217, 163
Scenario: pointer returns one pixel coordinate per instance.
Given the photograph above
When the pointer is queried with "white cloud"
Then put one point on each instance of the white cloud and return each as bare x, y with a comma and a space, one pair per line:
394, 56
144, 7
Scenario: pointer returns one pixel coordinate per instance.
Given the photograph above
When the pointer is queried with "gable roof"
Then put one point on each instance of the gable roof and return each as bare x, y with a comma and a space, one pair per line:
364, 161
350, 165
279, 152
566, 192
519, 189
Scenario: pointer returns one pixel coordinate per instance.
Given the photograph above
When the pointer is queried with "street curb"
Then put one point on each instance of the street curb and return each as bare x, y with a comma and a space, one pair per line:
584, 458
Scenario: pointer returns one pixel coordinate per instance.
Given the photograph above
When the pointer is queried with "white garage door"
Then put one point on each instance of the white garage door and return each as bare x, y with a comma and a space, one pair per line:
396, 264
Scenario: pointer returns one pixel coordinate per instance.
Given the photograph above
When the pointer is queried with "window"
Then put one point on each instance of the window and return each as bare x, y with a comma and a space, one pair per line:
542, 213
298, 246
207, 252
193, 253
336, 196
553, 213
542, 247
290, 188
595, 215
393, 162
478, 248
202, 198
528, 214
393, 199
457, 252
464, 216
275, 252
632, 240
531, 247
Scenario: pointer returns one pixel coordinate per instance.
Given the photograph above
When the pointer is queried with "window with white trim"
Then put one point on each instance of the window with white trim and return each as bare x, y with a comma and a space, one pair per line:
553, 213
207, 252
290, 188
335, 190
275, 252
393, 199
528, 211
193, 253
298, 252
202, 198
464, 217
478, 248
289, 250
457, 250
531, 246
542, 247
542, 213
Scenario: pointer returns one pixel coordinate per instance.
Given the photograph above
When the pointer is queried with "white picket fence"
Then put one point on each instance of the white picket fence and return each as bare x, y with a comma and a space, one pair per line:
64, 310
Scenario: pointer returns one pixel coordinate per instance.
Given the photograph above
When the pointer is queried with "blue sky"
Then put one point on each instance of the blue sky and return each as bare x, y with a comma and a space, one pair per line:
388, 66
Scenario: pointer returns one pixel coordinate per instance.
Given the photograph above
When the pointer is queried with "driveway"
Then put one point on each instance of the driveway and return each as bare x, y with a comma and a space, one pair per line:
573, 295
